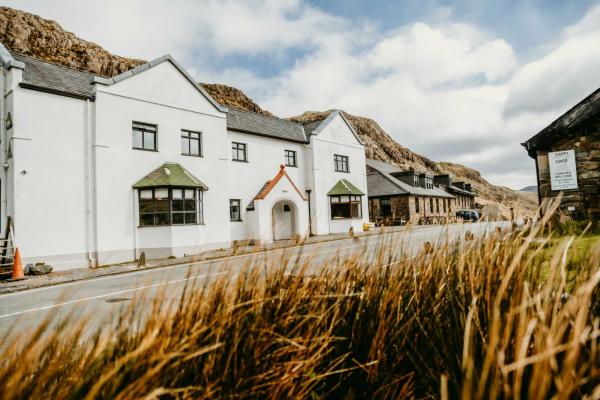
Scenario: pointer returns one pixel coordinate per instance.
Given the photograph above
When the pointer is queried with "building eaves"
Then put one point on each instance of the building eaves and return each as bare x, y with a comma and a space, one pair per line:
458, 190
7, 60
573, 118
144, 67
53, 78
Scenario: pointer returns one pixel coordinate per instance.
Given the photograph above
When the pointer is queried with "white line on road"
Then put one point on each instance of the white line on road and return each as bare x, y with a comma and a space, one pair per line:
368, 240
109, 294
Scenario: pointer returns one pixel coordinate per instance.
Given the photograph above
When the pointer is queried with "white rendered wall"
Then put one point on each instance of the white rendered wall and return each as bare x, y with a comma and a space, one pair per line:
265, 155
336, 138
49, 180
119, 166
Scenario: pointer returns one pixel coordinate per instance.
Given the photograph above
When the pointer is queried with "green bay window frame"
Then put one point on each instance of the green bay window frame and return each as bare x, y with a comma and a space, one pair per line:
164, 206
144, 136
191, 143
346, 206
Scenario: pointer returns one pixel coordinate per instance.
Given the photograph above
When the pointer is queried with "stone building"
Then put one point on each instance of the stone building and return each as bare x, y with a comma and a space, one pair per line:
397, 197
464, 197
567, 159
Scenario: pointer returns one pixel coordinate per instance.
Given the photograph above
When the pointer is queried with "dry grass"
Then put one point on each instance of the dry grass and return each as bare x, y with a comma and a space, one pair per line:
484, 319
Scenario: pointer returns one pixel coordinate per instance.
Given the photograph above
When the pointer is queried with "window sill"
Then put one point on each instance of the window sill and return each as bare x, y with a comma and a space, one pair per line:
291, 166
138, 148
236, 220
239, 160
170, 225
345, 219
344, 172
192, 155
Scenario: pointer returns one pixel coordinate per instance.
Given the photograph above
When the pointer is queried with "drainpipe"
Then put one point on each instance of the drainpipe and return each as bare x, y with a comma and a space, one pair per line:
4, 142
88, 185
134, 224
308, 191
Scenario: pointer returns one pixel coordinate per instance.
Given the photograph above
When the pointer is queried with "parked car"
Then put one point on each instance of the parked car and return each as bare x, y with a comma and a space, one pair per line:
468, 215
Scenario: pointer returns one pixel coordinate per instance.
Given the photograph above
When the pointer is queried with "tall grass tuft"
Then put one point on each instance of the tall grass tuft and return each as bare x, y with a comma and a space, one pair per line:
503, 316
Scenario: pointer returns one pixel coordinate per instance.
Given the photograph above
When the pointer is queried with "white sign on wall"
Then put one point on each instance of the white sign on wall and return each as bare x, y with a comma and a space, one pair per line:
563, 171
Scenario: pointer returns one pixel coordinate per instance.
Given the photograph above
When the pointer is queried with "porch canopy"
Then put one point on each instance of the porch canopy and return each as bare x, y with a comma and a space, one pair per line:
170, 174
344, 188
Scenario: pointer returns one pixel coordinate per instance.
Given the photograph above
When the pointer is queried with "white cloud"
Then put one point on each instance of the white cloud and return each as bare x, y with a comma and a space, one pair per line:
448, 90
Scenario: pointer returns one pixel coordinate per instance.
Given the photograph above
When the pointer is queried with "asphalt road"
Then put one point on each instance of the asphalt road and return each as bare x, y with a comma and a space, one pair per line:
103, 297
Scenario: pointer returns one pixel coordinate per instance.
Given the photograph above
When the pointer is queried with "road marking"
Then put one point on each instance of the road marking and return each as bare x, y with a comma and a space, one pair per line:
371, 239
108, 294
367, 240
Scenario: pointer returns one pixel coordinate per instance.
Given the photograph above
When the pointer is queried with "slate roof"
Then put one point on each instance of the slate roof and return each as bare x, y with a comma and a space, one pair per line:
584, 111
392, 186
262, 125
309, 127
170, 174
456, 189
56, 78
344, 187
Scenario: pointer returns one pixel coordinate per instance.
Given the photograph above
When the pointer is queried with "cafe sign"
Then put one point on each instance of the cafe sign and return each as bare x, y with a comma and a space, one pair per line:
563, 171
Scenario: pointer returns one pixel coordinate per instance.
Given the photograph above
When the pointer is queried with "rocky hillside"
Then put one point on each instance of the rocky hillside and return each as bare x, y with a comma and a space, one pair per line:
379, 144
34, 36
233, 97
44, 39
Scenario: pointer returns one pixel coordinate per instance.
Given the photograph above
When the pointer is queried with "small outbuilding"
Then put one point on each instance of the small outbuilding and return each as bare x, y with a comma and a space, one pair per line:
567, 159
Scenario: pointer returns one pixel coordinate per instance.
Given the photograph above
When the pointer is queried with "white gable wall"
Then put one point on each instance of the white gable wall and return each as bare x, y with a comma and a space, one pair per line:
336, 138
163, 84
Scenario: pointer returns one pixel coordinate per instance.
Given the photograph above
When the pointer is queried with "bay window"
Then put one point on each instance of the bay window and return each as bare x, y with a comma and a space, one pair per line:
170, 206
346, 207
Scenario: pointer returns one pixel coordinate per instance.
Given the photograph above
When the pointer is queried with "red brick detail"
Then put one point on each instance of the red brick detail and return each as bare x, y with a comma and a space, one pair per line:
266, 189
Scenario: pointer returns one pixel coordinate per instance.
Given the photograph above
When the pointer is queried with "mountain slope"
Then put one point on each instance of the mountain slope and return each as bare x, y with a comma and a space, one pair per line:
32, 35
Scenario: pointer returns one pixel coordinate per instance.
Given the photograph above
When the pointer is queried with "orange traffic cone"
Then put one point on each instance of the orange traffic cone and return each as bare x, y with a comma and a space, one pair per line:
18, 272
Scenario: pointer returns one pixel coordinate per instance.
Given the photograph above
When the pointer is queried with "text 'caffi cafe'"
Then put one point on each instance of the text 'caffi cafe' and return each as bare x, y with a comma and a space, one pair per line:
567, 159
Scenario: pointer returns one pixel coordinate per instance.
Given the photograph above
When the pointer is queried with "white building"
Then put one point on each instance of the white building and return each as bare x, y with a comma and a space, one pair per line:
97, 170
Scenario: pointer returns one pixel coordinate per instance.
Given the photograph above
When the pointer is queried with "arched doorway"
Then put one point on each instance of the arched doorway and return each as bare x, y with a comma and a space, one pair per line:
284, 220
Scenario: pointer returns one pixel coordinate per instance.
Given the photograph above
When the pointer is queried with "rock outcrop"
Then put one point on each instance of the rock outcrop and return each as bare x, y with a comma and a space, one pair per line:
233, 97
32, 35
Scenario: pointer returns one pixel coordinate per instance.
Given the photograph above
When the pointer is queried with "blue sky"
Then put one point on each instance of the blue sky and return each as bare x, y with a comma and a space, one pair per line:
460, 81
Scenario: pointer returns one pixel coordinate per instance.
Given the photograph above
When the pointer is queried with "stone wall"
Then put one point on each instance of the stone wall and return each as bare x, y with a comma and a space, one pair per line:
585, 199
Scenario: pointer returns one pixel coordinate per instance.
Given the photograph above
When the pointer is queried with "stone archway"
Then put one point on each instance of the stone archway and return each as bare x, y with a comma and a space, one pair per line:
284, 215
